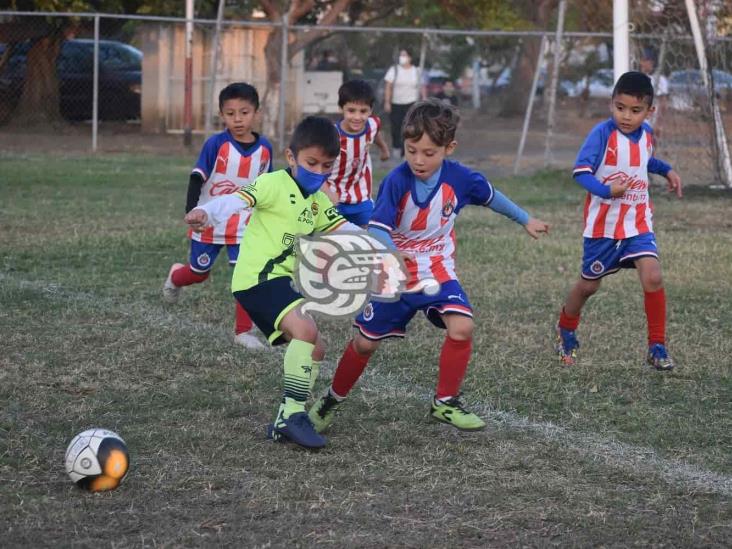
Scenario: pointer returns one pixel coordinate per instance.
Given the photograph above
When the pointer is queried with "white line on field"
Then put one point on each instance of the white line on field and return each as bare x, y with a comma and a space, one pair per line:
611, 452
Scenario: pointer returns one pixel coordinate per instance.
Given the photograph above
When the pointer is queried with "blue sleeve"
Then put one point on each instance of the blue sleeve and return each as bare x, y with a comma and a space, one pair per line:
480, 191
383, 236
590, 155
658, 166
592, 185
387, 203
207, 159
502, 205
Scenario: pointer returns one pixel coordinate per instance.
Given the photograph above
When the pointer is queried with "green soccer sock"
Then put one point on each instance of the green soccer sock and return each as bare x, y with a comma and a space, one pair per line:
314, 374
298, 372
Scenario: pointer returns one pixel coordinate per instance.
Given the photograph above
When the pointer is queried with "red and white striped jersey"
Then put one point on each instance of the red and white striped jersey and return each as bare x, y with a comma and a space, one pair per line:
351, 177
425, 232
225, 167
623, 159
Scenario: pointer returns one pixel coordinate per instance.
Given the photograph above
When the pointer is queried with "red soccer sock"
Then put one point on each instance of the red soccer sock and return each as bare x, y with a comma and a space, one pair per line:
655, 305
243, 322
350, 367
185, 276
454, 360
567, 322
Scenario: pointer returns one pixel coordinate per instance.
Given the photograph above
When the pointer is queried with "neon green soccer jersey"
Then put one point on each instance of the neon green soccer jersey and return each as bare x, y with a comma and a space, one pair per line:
280, 213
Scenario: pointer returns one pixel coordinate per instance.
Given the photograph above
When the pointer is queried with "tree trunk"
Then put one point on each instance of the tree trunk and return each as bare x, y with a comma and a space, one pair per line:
270, 99
39, 101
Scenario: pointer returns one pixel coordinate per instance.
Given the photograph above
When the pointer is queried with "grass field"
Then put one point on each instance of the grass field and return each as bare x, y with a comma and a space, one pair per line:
604, 454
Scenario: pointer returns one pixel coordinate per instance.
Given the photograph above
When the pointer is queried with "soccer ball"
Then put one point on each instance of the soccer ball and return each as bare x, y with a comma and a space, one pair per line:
97, 460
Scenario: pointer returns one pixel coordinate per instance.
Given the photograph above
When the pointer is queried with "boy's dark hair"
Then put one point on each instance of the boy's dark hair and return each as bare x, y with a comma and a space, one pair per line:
316, 131
434, 117
239, 90
356, 91
635, 84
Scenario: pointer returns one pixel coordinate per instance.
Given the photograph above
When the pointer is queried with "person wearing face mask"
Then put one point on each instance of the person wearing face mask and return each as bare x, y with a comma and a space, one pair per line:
285, 204
403, 88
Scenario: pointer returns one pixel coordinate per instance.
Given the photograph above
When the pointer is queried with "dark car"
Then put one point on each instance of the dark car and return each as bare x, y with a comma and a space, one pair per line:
120, 78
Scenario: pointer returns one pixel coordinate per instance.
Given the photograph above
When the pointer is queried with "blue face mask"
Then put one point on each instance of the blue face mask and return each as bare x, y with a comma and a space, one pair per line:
310, 182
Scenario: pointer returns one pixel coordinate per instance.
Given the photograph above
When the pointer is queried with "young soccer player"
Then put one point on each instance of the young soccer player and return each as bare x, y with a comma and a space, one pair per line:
349, 184
228, 160
415, 211
613, 166
286, 204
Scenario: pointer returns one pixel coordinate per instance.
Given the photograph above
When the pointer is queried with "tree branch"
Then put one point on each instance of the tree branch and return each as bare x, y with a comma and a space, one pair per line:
328, 19
273, 13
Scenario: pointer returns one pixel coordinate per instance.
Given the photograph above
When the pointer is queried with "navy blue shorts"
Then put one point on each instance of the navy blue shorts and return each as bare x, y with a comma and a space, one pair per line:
380, 320
604, 256
268, 303
203, 255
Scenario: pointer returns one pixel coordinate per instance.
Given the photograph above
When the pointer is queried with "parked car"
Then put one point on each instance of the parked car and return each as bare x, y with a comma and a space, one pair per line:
599, 85
686, 88
120, 78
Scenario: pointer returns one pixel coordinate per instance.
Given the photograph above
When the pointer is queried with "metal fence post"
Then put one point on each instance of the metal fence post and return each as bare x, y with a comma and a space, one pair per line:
214, 62
188, 85
553, 83
283, 84
530, 106
95, 86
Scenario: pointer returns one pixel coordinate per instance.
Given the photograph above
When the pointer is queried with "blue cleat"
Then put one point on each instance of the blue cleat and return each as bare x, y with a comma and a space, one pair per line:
658, 358
298, 429
566, 346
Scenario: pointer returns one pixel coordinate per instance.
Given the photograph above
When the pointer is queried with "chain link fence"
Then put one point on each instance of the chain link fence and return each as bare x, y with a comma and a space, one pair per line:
49, 64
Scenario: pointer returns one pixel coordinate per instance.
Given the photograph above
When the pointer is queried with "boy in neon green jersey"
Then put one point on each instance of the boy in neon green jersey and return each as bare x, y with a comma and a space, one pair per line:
286, 204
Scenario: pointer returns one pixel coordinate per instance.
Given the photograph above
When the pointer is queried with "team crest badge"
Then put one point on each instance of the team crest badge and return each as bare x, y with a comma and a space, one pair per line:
597, 267
368, 312
204, 260
448, 208
314, 209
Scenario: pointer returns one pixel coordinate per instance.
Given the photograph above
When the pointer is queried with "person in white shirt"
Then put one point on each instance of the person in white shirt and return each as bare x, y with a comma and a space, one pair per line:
403, 88
647, 65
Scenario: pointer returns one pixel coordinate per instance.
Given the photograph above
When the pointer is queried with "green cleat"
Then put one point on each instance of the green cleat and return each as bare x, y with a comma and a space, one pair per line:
322, 412
454, 413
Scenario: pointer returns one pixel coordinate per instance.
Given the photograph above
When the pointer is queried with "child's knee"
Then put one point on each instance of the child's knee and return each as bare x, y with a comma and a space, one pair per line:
320, 349
364, 346
652, 281
588, 287
461, 332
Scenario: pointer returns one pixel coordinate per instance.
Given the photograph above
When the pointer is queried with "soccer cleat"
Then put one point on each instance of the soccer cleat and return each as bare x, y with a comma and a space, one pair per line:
658, 358
171, 292
566, 346
453, 413
298, 429
249, 341
323, 411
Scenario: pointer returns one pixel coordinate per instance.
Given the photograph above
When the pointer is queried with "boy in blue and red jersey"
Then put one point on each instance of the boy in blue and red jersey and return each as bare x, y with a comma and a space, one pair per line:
349, 184
613, 166
228, 160
415, 212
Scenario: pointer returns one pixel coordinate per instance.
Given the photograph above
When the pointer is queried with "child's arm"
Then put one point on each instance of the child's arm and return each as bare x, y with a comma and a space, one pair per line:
501, 204
592, 185
660, 167
216, 211
383, 147
195, 184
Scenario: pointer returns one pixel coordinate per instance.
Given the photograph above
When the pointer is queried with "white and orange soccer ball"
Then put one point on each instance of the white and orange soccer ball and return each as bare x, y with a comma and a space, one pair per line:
97, 460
